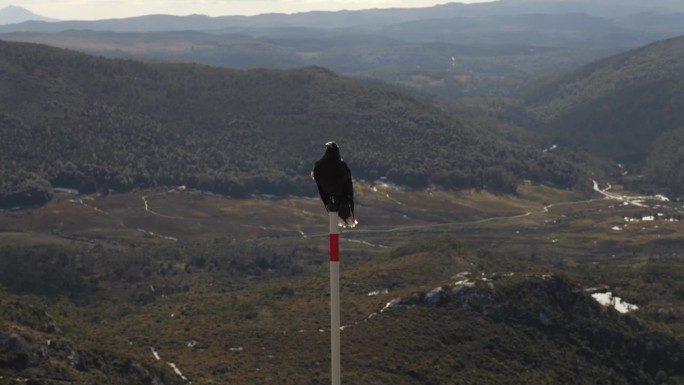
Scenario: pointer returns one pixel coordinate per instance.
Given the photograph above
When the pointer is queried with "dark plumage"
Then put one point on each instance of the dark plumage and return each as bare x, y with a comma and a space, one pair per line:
334, 182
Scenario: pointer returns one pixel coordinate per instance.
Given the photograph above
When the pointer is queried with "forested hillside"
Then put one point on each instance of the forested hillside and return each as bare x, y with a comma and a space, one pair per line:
72, 120
629, 107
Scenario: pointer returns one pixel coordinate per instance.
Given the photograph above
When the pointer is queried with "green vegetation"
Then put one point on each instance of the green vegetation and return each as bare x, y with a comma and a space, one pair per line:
96, 124
665, 164
40, 270
24, 188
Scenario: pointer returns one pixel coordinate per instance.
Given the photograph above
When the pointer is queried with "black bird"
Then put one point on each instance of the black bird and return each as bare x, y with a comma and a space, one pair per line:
334, 182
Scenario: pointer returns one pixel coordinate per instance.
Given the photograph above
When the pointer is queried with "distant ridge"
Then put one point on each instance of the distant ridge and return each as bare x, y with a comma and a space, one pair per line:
15, 15
367, 18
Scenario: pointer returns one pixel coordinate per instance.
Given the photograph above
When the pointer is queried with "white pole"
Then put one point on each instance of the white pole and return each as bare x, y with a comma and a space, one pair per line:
334, 299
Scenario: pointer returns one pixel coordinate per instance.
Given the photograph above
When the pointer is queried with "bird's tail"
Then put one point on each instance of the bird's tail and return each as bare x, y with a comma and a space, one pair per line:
346, 216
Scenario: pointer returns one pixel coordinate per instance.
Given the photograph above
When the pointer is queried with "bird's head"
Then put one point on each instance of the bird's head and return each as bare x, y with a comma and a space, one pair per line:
332, 149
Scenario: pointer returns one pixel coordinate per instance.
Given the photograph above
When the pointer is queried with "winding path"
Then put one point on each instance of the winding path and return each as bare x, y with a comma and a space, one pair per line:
633, 200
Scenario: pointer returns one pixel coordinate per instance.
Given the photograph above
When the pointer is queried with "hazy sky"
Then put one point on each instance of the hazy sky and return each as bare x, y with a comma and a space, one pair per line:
105, 9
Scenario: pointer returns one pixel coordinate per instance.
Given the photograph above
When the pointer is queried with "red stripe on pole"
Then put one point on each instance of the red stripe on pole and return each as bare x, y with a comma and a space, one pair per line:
334, 247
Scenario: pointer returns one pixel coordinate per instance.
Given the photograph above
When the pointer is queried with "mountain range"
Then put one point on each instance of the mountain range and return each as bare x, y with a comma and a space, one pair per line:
450, 50
222, 130
371, 18
15, 15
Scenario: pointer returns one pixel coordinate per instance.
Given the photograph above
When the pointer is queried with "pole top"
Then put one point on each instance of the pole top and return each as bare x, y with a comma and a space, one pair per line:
333, 222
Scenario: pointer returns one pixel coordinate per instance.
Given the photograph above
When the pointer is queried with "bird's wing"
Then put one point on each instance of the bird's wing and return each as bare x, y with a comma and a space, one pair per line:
348, 187
317, 177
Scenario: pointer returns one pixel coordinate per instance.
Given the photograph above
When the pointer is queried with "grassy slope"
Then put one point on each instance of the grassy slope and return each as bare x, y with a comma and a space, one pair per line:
249, 324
